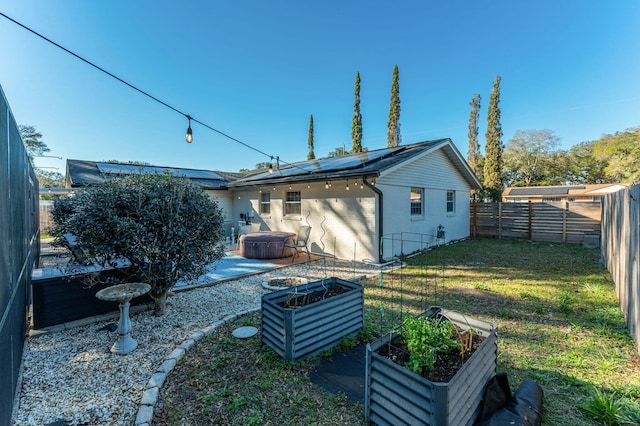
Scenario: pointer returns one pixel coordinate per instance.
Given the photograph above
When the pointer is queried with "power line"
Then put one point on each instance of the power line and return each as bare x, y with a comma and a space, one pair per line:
137, 89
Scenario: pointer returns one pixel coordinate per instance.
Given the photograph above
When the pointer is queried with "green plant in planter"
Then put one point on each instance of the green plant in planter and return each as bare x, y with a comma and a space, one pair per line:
426, 338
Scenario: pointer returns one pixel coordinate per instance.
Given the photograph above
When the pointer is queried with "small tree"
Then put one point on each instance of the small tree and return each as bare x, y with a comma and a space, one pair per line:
339, 152
166, 227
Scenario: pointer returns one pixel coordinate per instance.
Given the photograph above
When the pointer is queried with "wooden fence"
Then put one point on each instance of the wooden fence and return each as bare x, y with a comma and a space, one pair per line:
621, 252
45, 217
562, 222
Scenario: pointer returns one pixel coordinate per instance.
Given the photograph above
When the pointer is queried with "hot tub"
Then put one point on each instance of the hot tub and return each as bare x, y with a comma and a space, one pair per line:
266, 245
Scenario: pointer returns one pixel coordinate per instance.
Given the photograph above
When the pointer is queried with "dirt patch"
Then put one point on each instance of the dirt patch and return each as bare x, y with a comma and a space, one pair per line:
302, 299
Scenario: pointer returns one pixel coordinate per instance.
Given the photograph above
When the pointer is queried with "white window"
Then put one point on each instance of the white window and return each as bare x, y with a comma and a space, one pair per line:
265, 203
292, 203
417, 201
451, 201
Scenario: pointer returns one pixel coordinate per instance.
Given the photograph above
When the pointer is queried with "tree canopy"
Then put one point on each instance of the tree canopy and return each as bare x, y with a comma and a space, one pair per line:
528, 158
621, 152
338, 152
166, 227
32, 140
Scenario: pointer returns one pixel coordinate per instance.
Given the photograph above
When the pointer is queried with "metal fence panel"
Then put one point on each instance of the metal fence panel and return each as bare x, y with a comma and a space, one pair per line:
19, 243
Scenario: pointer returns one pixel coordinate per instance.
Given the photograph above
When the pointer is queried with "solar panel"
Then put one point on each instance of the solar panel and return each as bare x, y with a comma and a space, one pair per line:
542, 190
326, 165
130, 169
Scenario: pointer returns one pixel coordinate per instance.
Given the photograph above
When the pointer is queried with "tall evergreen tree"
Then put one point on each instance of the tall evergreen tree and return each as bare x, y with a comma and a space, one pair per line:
311, 155
493, 179
356, 122
393, 126
473, 154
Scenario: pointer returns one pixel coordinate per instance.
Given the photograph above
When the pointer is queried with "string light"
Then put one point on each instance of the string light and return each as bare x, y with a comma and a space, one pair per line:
271, 166
189, 137
347, 188
326, 184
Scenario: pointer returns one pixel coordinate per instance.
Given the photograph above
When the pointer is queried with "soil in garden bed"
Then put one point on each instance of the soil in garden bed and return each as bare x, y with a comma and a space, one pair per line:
296, 300
446, 365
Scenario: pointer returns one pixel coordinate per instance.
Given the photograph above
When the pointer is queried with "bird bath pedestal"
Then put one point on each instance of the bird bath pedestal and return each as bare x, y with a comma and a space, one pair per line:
123, 293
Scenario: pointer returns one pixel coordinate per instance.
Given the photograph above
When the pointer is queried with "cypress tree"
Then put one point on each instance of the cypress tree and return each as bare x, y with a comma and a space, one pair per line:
311, 155
356, 122
393, 126
473, 154
493, 159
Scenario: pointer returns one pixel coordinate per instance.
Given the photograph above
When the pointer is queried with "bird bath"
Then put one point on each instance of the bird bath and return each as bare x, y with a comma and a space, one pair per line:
123, 293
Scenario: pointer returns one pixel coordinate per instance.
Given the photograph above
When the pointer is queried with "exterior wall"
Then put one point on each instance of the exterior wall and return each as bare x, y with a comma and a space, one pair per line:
343, 222
225, 201
404, 233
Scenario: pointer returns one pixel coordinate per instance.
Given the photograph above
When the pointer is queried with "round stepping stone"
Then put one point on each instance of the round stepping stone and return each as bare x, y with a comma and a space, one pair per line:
244, 332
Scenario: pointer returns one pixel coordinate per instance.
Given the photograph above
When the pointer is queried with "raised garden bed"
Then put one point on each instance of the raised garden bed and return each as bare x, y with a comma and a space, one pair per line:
311, 318
60, 297
396, 396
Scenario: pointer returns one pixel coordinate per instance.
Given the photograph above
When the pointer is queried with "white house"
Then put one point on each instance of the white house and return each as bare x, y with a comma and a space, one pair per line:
365, 206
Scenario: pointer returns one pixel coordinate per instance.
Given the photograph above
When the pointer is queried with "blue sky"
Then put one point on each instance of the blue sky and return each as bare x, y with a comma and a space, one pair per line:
256, 70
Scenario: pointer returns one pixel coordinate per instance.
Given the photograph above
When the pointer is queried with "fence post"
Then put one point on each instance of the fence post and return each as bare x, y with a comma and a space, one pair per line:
474, 219
499, 220
530, 230
564, 221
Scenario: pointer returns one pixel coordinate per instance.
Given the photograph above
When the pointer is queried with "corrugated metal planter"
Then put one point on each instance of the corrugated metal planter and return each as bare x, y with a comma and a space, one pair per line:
396, 396
299, 332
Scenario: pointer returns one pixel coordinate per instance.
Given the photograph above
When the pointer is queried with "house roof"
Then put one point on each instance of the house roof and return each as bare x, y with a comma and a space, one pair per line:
364, 164
83, 173
590, 190
370, 164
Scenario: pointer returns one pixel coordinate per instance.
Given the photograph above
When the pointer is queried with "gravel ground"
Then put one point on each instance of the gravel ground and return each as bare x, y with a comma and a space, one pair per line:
70, 377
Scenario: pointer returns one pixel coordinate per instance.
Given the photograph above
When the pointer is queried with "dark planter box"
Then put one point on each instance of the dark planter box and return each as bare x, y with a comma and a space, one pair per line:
397, 396
304, 331
60, 298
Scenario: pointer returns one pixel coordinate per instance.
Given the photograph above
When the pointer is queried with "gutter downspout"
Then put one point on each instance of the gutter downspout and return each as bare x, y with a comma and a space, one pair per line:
380, 215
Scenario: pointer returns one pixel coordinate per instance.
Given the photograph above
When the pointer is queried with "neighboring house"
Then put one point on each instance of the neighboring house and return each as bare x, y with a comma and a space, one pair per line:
365, 206
592, 192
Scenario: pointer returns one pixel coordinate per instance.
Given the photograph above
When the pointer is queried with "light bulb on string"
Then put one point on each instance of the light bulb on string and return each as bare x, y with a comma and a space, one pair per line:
189, 137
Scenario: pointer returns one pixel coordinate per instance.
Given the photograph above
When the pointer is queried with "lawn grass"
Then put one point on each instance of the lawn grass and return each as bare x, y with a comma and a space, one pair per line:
558, 320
